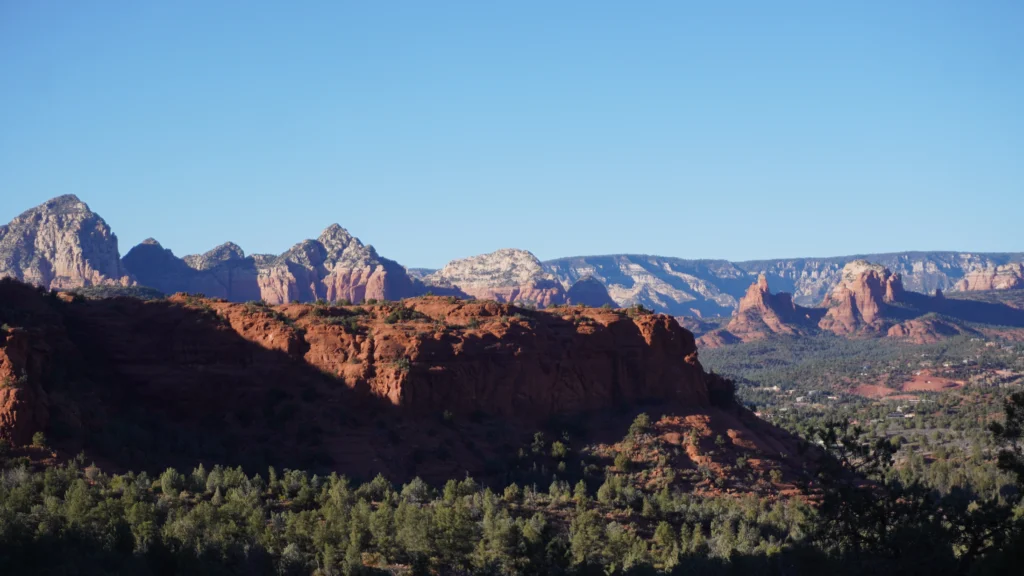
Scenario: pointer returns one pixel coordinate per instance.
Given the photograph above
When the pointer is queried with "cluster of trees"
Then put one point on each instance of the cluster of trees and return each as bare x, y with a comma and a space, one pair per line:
857, 518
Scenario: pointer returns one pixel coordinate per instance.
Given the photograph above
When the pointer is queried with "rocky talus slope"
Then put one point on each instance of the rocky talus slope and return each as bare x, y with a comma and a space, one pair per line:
61, 244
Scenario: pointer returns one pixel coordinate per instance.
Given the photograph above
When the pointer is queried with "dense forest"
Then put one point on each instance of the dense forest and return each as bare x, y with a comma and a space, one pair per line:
857, 516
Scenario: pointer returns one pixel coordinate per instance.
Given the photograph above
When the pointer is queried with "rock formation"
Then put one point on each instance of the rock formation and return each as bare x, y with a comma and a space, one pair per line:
761, 311
868, 301
859, 302
224, 272
335, 266
712, 287
670, 285
61, 244
507, 275
23, 403
1005, 277
762, 314
589, 292
346, 383
927, 330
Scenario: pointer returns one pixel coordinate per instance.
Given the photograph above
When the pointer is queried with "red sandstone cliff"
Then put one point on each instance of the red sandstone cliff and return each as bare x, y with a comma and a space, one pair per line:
858, 303
484, 356
357, 387
761, 314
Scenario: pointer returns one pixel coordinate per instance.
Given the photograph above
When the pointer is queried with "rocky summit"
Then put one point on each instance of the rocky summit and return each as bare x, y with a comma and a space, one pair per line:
859, 300
762, 314
511, 275
334, 266
61, 244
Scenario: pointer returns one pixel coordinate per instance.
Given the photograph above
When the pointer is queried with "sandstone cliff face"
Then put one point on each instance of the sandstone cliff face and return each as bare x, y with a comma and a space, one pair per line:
533, 365
713, 287
506, 275
762, 314
355, 386
23, 403
759, 309
335, 266
1005, 277
672, 285
860, 300
28, 327
60, 244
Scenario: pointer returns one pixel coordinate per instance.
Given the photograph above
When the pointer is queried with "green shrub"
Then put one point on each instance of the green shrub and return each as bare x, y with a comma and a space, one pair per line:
559, 450
641, 425
622, 462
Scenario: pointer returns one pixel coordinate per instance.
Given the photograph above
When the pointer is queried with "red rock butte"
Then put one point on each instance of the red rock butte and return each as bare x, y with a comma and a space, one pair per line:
190, 357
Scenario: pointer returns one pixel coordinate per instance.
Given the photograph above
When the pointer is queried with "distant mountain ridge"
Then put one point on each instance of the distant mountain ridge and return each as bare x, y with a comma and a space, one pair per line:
868, 301
61, 244
714, 287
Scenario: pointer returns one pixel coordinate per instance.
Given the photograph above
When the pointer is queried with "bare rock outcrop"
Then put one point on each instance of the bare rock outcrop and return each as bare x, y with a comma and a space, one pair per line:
859, 302
1005, 277
506, 275
360, 389
28, 326
335, 266
762, 314
23, 403
61, 244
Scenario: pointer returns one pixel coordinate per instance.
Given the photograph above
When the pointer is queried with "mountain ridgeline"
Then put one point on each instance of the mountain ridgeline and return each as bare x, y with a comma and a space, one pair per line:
62, 244
869, 300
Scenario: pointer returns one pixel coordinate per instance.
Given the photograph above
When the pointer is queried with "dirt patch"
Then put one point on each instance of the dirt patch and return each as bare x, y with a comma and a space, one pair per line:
925, 382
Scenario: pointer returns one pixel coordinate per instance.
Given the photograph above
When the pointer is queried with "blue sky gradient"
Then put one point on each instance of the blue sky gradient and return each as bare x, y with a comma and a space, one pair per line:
437, 130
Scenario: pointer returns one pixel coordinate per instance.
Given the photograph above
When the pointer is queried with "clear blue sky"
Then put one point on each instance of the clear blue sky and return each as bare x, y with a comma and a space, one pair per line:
437, 130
